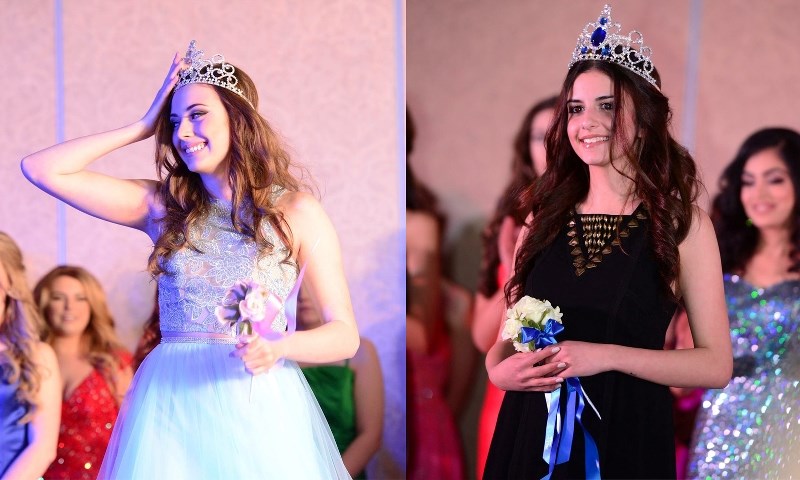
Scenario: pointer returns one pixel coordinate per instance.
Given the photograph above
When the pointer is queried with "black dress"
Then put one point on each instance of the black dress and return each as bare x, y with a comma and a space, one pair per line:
602, 272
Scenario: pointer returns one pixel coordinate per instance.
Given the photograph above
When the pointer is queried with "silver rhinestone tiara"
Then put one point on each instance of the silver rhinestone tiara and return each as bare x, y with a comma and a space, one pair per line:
601, 40
213, 71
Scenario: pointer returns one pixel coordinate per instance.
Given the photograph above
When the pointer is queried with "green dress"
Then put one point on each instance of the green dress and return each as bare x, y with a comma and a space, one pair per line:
333, 387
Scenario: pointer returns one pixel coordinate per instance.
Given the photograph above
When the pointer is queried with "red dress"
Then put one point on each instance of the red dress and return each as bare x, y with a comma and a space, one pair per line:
435, 444
87, 419
492, 400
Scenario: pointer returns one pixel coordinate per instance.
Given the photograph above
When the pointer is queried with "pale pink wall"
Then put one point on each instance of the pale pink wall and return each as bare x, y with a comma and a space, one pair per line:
328, 76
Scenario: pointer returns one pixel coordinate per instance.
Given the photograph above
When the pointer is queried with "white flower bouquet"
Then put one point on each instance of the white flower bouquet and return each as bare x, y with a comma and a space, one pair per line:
532, 323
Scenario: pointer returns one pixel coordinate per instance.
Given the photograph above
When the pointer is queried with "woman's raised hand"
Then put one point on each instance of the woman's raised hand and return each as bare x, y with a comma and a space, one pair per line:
151, 117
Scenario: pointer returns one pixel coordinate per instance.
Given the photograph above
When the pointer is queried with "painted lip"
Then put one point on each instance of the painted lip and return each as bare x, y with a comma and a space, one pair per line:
193, 148
594, 140
762, 208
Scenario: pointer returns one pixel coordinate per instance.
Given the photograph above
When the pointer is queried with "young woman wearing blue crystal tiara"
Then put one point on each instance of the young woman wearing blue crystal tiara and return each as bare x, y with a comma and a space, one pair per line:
225, 208
614, 239
751, 429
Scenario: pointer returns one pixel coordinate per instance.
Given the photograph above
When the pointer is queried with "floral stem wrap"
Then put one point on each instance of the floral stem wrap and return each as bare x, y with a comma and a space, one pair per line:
558, 442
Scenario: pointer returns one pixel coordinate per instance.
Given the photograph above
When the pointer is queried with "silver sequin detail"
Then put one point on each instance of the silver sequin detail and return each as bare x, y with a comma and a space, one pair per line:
206, 340
751, 428
195, 282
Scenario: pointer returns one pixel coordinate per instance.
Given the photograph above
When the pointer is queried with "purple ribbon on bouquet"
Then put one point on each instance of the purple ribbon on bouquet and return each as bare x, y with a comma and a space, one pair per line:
558, 442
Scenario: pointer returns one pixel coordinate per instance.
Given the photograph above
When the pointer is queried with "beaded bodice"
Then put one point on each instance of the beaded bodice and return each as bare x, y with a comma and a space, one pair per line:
601, 233
195, 282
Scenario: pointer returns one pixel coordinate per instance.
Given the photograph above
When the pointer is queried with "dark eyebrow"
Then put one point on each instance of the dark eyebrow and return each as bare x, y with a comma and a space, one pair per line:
768, 172
598, 99
172, 115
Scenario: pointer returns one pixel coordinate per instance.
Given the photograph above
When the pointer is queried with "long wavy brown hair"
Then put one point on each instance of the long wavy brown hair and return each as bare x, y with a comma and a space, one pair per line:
662, 171
20, 327
100, 341
509, 204
257, 161
737, 240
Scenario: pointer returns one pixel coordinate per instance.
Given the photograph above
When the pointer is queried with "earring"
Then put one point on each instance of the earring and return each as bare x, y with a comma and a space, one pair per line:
748, 223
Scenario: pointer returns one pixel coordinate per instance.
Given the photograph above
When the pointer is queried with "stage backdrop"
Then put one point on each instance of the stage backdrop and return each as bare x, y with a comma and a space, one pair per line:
729, 67
330, 77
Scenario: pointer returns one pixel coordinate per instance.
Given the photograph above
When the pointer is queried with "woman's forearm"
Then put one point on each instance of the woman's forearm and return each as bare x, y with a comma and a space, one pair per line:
331, 342
487, 319
360, 451
31, 462
687, 368
74, 155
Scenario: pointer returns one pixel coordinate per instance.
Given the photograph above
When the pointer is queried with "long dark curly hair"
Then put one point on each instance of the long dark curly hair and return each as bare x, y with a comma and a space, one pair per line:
258, 161
663, 173
737, 240
509, 204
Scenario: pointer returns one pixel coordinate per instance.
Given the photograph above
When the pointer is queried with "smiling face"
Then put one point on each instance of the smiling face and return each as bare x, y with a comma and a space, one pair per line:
201, 131
590, 125
68, 312
767, 190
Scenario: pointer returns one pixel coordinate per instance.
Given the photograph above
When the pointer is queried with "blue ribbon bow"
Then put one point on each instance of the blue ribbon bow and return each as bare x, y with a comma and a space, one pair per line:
542, 338
558, 444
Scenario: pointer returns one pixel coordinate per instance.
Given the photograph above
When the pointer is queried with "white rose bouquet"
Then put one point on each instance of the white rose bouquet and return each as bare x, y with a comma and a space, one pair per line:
532, 323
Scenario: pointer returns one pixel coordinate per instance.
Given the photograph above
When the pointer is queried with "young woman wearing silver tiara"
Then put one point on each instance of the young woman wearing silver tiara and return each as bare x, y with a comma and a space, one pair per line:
204, 403
615, 240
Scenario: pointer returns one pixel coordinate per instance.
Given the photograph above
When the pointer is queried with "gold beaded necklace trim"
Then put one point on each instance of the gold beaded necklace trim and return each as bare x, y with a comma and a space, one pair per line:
600, 232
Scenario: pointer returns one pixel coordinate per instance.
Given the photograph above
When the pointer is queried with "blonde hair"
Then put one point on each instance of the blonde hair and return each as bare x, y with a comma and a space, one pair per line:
100, 338
20, 327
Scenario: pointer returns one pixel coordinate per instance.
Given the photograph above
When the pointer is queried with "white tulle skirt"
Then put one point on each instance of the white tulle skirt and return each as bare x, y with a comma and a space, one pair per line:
190, 414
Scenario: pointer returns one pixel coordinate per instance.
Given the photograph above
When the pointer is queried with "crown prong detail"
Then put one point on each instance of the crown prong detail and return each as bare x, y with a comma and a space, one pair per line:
602, 40
211, 71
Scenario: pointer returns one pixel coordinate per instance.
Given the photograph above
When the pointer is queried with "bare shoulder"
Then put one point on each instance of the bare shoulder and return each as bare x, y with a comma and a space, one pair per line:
700, 230
299, 206
44, 355
366, 354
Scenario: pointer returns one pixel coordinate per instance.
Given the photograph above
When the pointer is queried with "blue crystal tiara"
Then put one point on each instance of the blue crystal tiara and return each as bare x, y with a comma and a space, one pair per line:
213, 71
601, 40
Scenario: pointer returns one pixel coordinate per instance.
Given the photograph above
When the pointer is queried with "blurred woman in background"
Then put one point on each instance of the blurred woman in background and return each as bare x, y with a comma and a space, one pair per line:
499, 238
30, 397
751, 429
94, 365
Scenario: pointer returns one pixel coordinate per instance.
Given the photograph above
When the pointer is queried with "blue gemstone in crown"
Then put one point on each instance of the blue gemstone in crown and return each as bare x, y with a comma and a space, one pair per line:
598, 36
601, 40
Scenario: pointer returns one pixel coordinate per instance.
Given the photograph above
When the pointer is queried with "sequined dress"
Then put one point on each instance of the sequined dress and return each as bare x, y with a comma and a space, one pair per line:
192, 410
87, 417
751, 428
608, 289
